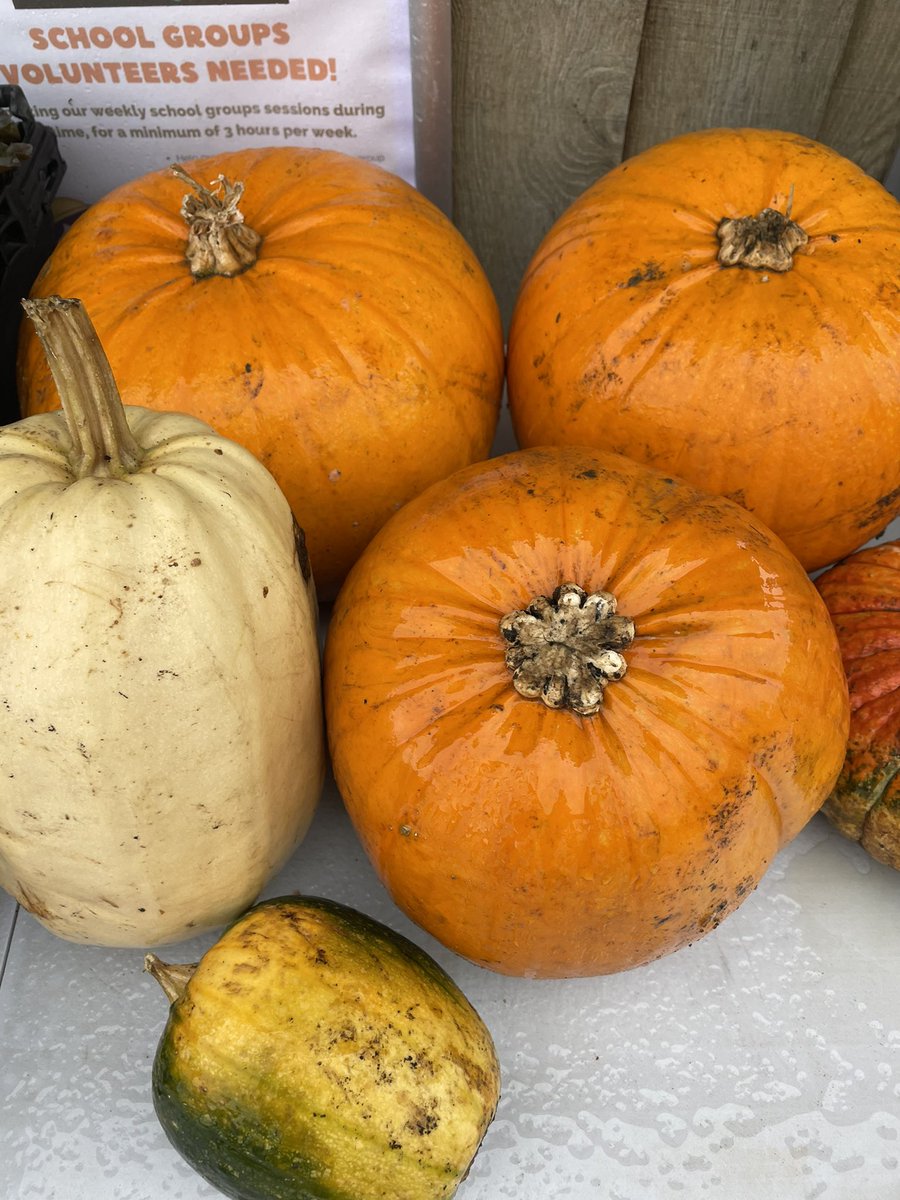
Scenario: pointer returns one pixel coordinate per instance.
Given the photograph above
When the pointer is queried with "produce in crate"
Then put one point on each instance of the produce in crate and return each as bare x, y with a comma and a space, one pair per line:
725, 307
862, 594
160, 702
307, 304
575, 708
31, 171
313, 1052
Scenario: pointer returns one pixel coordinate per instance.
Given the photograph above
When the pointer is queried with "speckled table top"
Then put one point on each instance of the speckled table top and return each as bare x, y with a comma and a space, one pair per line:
761, 1062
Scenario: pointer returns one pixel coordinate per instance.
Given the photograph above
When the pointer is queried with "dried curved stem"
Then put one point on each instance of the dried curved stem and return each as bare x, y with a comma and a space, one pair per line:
102, 441
173, 978
219, 242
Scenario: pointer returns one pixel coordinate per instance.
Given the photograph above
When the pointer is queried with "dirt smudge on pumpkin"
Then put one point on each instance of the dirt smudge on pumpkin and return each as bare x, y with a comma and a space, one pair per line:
713, 917
252, 383
646, 274
595, 378
745, 886
726, 820
884, 509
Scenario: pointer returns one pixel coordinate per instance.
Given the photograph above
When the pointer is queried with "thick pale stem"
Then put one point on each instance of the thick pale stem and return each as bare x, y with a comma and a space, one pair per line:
564, 649
102, 443
173, 978
764, 243
219, 243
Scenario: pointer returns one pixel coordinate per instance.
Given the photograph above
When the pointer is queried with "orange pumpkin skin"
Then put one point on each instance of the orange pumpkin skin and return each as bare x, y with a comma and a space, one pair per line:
360, 357
778, 390
535, 841
862, 594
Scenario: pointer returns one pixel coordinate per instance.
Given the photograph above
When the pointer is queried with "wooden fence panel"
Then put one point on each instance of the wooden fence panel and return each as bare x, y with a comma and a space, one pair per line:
862, 119
541, 90
762, 63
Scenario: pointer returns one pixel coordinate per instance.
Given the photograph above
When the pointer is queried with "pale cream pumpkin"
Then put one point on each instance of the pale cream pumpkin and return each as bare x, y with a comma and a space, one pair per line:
160, 710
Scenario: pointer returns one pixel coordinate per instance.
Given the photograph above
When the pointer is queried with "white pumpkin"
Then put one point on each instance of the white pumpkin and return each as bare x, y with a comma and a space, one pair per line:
160, 711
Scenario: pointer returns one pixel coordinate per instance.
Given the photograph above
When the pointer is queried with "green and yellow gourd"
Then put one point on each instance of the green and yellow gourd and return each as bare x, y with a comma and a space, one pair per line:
314, 1054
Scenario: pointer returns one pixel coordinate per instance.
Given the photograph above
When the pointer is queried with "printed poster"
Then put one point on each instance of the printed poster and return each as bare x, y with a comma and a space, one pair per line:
131, 88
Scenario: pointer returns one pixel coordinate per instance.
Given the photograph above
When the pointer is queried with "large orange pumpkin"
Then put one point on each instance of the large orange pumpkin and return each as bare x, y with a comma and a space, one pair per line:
542, 791
862, 595
330, 319
725, 307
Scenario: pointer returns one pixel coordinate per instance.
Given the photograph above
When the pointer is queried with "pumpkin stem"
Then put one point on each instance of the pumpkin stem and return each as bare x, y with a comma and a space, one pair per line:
764, 243
564, 649
219, 243
173, 978
102, 442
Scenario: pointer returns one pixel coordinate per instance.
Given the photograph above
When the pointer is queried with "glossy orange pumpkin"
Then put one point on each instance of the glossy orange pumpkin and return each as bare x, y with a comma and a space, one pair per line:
863, 597
675, 314
353, 342
526, 802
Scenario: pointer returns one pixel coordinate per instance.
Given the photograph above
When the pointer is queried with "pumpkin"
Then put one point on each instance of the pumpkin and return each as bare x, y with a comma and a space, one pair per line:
160, 704
313, 1052
575, 708
862, 595
724, 307
310, 306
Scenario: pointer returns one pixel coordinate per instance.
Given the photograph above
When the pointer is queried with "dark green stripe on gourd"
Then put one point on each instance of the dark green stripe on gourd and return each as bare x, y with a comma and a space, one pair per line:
228, 1145
317, 1055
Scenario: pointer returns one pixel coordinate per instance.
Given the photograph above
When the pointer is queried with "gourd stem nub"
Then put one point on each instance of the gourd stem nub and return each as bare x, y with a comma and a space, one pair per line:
763, 243
565, 649
102, 442
173, 978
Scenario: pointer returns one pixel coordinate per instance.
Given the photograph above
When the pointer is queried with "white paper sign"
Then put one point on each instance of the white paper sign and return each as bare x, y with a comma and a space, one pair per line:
131, 89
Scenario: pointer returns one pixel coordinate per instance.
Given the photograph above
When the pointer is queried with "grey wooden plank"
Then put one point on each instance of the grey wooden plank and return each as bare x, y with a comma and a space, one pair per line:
431, 38
892, 178
736, 62
540, 103
862, 118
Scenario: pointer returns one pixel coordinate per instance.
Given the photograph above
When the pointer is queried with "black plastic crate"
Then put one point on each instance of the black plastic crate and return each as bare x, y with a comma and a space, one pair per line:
27, 229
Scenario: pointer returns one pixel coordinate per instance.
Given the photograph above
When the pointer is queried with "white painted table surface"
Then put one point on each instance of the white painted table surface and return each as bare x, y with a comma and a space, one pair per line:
760, 1063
